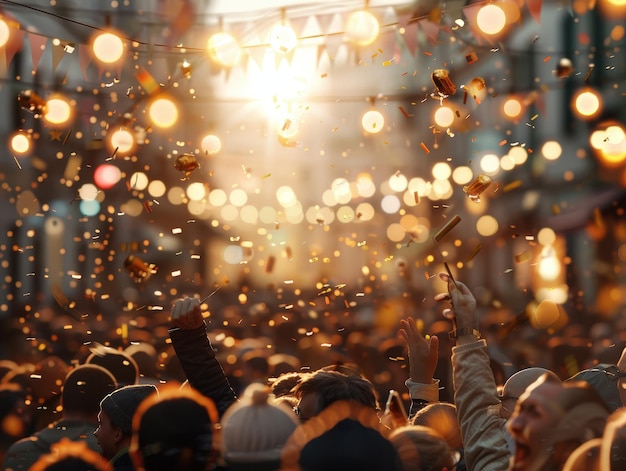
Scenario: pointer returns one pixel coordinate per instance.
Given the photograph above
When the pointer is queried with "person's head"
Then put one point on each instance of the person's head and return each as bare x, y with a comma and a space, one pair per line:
173, 430
321, 388
254, 430
443, 419
422, 449
613, 448
603, 378
67, 455
283, 385
115, 418
345, 435
119, 363
147, 359
83, 389
551, 419
516, 385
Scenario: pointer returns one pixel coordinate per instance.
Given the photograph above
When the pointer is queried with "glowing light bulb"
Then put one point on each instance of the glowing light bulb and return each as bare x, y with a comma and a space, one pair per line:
123, 141
163, 112
58, 110
587, 103
211, 144
223, 49
491, 19
373, 121
362, 28
5, 33
20, 143
282, 38
108, 48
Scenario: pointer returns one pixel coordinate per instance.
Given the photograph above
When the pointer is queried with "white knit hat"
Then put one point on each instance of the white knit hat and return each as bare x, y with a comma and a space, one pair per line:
255, 429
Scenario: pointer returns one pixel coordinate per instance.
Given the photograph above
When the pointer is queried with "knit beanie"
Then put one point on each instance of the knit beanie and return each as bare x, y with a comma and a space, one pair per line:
255, 430
121, 404
602, 378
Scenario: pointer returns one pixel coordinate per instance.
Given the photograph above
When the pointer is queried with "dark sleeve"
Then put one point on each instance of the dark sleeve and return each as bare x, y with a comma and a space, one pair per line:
203, 371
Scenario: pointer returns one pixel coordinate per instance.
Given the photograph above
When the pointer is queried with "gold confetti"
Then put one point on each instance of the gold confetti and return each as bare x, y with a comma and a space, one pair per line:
512, 186
269, 264
523, 257
441, 233
424, 147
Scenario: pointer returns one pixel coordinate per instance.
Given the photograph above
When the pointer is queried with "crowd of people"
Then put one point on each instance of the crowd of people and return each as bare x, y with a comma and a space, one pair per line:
432, 408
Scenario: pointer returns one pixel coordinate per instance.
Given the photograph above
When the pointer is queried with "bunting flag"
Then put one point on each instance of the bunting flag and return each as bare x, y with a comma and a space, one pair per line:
534, 8
37, 47
409, 38
181, 23
58, 52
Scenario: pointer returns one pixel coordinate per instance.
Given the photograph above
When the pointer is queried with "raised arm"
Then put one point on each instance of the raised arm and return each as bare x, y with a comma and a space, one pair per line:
196, 355
423, 355
475, 391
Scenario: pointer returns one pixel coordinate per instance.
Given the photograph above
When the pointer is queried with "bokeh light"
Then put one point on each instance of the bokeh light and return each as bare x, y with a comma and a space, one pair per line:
5, 33
444, 116
487, 225
163, 112
106, 176
122, 141
58, 110
512, 108
223, 49
490, 164
587, 103
373, 121
107, 47
551, 150
282, 38
362, 28
211, 144
19, 143
491, 19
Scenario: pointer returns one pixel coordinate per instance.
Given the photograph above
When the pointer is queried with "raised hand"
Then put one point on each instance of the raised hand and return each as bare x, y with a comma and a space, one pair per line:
423, 353
186, 313
463, 312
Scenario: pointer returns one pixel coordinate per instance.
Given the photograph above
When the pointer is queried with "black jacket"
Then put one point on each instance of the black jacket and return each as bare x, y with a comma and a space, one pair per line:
203, 371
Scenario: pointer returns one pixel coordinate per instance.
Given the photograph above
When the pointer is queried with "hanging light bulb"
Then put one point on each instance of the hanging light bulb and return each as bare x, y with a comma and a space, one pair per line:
107, 47
282, 37
19, 143
58, 110
491, 19
587, 103
5, 33
362, 28
373, 121
223, 49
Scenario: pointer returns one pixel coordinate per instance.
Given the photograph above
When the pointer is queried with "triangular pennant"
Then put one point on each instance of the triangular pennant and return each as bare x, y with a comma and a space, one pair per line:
534, 7
181, 22
311, 31
321, 49
257, 54
431, 30
297, 24
324, 21
16, 37
333, 43
389, 17
37, 47
58, 52
84, 58
410, 37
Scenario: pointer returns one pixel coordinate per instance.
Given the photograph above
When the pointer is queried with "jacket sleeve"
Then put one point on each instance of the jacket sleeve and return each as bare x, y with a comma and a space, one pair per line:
203, 371
421, 395
477, 403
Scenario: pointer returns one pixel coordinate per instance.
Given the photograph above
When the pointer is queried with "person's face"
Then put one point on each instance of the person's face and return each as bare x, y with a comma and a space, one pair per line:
536, 415
108, 435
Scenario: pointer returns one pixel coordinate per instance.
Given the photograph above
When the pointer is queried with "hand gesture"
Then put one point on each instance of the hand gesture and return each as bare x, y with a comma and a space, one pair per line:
423, 353
186, 313
463, 312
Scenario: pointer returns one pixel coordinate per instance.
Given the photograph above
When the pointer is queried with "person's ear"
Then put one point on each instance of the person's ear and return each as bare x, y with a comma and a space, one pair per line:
118, 436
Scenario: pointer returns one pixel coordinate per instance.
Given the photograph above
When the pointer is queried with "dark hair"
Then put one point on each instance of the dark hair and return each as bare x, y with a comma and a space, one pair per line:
331, 386
84, 387
174, 430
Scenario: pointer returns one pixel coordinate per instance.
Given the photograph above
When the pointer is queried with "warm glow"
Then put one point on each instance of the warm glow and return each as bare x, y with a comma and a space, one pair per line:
549, 265
546, 236
441, 171
223, 49
609, 144
490, 164
512, 108
211, 144
122, 141
88, 192
106, 176
587, 103
362, 28
4, 32
58, 110
487, 225
519, 155
108, 48
491, 19
444, 116
163, 113
373, 121
282, 38
287, 126
286, 196
139, 181
20, 143
551, 150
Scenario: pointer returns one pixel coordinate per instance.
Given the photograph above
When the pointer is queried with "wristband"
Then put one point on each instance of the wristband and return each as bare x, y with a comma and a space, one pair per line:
456, 333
